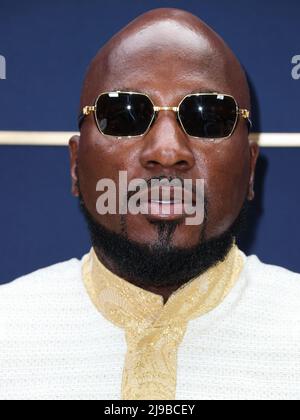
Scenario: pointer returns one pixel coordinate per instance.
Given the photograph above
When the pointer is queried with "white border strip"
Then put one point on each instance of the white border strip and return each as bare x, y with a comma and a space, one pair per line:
61, 138
35, 138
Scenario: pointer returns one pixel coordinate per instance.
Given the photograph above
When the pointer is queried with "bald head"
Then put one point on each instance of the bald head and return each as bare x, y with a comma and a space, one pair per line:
171, 43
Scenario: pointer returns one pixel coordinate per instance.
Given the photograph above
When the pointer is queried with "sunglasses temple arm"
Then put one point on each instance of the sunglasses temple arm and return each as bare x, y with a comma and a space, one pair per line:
250, 124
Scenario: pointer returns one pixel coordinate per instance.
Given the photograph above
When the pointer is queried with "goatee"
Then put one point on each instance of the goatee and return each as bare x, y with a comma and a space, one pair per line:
162, 264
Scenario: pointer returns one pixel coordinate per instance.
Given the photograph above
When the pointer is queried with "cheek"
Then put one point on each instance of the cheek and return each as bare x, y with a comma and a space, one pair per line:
227, 186
101, 158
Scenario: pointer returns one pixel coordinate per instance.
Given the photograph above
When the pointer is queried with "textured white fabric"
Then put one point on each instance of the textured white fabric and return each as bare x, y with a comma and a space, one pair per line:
54, 344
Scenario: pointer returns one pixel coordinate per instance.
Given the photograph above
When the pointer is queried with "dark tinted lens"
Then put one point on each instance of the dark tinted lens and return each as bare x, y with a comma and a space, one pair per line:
124, 114
208, 116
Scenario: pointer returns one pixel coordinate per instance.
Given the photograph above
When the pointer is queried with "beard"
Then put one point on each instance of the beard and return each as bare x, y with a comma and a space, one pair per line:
160, 264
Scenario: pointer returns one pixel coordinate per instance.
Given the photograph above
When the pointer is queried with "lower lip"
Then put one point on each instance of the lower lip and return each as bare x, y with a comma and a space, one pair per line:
160, 210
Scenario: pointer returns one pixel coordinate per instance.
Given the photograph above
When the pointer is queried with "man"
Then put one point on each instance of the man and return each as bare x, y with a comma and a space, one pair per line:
159, 308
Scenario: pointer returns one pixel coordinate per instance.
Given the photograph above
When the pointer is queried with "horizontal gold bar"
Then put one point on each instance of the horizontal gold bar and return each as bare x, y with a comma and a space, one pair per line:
166, 108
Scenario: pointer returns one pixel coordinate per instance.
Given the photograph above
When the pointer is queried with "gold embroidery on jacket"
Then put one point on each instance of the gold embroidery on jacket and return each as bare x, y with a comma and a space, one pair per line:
154, 331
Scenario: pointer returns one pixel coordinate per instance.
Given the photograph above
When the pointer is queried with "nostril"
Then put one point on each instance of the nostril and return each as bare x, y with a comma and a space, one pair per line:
182, 164
152, 163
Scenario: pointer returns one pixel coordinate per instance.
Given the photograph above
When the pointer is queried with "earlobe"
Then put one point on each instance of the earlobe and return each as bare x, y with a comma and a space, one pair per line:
73, 149
254, 153
251, 193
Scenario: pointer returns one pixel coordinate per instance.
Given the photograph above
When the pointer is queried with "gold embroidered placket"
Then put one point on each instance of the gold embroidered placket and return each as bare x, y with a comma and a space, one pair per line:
154, 331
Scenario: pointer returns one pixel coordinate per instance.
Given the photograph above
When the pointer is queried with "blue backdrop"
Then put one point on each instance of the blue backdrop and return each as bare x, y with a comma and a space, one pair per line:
48, 45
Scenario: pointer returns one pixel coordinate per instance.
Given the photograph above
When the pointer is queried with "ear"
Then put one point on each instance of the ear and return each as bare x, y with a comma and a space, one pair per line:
73, 149
254, 153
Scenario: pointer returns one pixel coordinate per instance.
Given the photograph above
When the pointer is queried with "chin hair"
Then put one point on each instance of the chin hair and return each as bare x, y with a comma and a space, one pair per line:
161, 264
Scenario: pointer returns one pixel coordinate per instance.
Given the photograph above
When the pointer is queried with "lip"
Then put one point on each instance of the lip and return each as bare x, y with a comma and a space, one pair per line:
173, 208
169, 211
168, 195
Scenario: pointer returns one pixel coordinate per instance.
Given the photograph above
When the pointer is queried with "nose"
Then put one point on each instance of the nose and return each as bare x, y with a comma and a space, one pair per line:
166, 145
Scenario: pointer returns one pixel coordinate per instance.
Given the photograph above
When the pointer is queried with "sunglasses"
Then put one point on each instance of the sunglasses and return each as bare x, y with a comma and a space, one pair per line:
131, 114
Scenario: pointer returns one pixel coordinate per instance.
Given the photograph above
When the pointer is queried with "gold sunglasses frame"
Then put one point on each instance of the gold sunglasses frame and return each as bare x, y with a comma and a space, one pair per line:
87, 110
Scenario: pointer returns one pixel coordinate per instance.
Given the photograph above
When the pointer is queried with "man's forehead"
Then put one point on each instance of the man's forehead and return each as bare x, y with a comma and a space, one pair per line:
162, 67
166, 86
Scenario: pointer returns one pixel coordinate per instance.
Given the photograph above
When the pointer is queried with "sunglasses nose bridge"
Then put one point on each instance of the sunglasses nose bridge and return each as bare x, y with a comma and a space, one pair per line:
174, 109
166, 108
158, 109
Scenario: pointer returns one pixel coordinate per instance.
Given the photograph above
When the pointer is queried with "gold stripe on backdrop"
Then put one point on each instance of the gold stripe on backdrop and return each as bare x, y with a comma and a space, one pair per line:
61, 138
